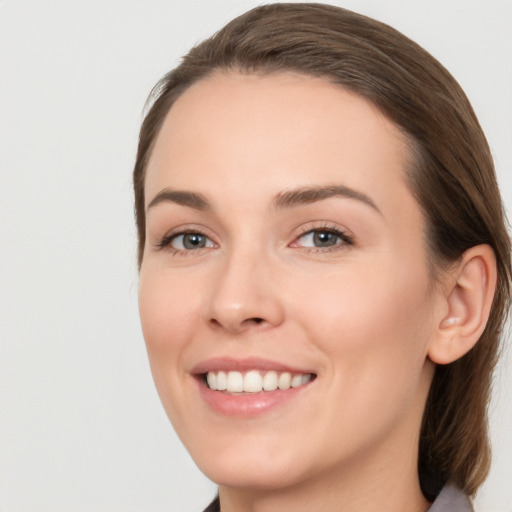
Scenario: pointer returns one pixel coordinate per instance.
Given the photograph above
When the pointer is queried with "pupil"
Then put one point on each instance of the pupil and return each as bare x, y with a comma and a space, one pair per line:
324, 239
193, 241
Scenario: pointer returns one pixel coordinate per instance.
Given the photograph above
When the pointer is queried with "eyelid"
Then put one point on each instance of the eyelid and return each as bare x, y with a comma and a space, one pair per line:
164, 242
346, 237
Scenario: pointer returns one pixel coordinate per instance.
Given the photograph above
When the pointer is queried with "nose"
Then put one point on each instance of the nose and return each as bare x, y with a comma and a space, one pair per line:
244, 295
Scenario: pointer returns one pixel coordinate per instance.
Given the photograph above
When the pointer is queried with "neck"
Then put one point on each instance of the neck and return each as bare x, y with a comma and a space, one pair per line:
391, 492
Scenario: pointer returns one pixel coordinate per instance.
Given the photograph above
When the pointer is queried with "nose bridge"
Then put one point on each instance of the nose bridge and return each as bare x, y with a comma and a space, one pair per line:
243, 295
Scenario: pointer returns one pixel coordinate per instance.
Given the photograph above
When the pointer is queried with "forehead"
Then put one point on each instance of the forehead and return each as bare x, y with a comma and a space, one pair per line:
235, 128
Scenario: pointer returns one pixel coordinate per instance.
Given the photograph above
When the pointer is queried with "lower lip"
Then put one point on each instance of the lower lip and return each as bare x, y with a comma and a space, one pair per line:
247, 405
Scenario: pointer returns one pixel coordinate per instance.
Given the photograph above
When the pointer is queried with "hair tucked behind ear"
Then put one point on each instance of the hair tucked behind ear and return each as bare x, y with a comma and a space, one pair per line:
452, 178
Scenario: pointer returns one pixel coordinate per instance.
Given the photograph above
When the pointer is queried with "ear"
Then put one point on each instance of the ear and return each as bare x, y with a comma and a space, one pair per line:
468, 295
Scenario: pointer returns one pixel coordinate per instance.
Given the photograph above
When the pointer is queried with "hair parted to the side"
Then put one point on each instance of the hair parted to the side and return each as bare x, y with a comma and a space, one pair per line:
452, 178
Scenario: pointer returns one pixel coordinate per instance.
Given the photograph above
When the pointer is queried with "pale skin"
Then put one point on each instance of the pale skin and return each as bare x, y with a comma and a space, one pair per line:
335, 282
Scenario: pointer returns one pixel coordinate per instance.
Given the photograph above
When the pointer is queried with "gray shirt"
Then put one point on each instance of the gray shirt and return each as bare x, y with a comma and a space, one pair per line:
451, 499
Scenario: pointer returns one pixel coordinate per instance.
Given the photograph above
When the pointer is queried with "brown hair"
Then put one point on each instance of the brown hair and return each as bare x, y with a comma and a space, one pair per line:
452, 178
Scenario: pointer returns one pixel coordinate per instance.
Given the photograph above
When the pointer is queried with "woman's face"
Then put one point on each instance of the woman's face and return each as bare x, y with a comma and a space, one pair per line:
284, 248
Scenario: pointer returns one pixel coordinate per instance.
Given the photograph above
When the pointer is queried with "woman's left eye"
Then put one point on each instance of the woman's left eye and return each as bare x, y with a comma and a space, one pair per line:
323, 239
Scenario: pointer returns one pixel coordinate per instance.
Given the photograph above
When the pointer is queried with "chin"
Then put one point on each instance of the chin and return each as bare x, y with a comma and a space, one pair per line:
258, 467
251, 475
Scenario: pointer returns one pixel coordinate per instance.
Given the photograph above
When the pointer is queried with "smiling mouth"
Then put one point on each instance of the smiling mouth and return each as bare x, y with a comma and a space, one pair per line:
255, 381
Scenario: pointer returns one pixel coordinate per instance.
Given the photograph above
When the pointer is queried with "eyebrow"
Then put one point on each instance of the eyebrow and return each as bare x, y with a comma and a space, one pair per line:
307, 195
283, 200
181, 197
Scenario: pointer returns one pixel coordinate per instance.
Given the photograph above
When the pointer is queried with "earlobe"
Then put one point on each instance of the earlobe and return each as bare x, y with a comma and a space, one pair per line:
469, 294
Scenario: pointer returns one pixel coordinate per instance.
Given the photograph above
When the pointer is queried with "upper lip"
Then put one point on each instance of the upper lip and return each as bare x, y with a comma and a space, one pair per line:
244, 364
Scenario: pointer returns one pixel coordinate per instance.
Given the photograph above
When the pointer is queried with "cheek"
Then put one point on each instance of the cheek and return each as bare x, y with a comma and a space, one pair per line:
373, 335
168, 313
375, 327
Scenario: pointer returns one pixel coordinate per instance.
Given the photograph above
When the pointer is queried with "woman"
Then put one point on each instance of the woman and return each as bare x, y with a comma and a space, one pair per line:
324, 265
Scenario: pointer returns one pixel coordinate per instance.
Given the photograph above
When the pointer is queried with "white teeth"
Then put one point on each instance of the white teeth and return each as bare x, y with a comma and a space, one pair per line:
222, 381
235, 383
270, 381
305, 379
296, 381
212, 380
255, 381
285, 380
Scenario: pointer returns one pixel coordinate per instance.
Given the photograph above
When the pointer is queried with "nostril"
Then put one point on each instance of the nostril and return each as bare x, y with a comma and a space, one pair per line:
245, 323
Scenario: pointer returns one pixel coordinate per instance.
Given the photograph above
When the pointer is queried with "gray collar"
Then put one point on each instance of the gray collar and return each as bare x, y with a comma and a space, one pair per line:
451, 499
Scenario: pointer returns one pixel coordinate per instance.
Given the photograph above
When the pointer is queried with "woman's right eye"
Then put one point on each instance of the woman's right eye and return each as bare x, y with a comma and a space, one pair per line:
186, 241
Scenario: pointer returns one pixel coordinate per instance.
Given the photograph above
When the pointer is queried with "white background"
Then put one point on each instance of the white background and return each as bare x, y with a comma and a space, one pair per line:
81, 427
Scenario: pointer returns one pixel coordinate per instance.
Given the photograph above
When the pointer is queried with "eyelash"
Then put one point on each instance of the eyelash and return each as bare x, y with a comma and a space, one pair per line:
166, 241
345, 240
